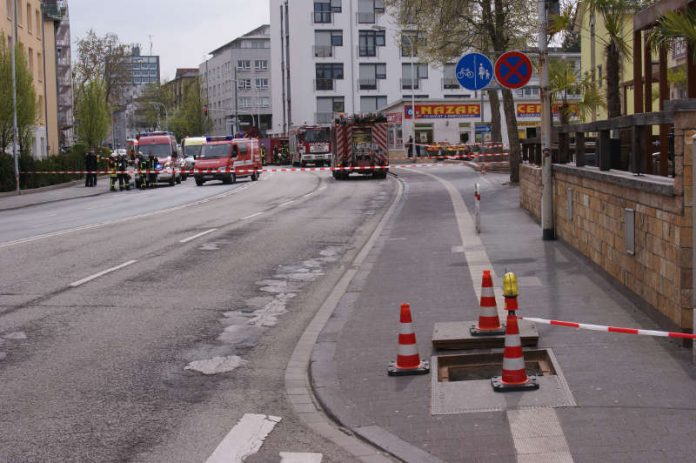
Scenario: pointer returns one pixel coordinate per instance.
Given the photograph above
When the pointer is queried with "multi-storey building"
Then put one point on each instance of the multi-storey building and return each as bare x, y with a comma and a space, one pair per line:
236, 83
347, 56
57, 11
351, 56
36, 36
144, 69
176, 89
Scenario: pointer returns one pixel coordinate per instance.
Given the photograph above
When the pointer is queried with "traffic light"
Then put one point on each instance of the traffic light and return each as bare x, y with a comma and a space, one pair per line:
553, 7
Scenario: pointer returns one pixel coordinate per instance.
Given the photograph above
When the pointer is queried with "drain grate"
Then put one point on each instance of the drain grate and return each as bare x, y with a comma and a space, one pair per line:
452, 368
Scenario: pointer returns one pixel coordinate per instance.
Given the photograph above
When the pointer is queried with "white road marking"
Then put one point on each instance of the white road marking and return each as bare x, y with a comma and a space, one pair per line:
292, 457
101, 274
287, 204
549, 443
191, 238
252, 216
245, 439
309, 195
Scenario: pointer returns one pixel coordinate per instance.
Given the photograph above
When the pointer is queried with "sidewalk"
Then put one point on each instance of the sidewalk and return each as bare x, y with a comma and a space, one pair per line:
51, 194
630, 398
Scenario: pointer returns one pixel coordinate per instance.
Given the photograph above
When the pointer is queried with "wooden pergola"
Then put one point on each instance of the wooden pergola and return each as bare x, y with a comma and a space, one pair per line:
643, 76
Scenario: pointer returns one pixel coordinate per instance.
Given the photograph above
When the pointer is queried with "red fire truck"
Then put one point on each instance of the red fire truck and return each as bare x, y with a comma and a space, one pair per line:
361, 147
310, 144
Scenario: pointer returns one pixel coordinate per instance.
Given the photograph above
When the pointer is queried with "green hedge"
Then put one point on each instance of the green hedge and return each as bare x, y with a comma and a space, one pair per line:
73, 160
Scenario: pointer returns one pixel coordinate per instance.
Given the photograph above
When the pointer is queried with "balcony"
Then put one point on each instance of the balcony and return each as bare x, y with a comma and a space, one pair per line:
367, 17
324, 84
324, 118
55, 11
410, 84
367, 84
323, 51
449, 83
322, 17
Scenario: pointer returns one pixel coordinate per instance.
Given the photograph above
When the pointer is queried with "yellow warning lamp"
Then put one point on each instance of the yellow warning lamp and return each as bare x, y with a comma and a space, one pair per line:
510, 285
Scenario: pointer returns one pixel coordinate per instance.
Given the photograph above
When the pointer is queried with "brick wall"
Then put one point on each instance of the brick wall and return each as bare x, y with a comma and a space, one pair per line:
660, 269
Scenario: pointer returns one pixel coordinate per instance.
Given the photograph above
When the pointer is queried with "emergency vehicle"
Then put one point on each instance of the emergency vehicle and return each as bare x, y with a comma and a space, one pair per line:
162, 145
360, 147
191, 148
227, 159
310, 144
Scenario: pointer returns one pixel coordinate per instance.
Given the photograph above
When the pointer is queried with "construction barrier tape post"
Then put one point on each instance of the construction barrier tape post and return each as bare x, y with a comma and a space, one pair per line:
477, 208
611, 329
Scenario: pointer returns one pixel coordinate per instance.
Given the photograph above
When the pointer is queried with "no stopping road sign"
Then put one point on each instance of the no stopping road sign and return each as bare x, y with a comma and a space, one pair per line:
513, 69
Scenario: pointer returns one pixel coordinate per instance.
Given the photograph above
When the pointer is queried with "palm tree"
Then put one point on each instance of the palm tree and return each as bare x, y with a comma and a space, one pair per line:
673, 26
565, 81
614, 14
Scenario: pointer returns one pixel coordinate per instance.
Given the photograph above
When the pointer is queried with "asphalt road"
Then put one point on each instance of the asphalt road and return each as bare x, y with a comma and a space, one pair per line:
144, 325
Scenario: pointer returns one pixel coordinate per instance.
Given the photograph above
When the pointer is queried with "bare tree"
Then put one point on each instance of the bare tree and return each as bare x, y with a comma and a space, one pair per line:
104, 58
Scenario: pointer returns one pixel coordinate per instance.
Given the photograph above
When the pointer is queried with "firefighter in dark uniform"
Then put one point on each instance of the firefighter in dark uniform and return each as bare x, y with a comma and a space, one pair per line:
113, 171
152, 175
123, 179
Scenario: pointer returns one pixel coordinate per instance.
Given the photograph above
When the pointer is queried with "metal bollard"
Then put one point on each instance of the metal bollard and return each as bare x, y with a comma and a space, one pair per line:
477, 208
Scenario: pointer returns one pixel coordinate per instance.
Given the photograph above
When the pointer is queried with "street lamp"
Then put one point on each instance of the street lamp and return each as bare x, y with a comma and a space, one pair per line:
413, 82
15, 129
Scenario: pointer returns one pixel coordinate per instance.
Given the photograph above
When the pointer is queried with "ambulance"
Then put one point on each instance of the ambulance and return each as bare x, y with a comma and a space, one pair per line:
227, 159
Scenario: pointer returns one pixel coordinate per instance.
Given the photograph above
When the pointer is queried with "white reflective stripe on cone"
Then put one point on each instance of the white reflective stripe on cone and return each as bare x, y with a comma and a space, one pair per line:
408, 349
513, 340
406, 328
515, 364
487, 291
489, 311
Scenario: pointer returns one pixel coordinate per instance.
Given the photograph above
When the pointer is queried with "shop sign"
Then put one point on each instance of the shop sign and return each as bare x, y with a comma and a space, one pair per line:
444, 111
534, 109
394, 118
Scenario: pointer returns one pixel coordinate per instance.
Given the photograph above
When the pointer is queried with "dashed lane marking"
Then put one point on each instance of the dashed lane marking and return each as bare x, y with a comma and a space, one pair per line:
252, 216
287, 203
245, 439
292, 457
101, 274
191, 238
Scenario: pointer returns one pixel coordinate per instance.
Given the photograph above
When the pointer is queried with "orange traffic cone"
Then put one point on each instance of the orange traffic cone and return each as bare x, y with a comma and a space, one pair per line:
489, 322
514, 377
408, 361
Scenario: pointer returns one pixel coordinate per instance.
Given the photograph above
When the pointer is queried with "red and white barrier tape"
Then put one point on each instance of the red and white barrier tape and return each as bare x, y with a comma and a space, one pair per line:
611, 329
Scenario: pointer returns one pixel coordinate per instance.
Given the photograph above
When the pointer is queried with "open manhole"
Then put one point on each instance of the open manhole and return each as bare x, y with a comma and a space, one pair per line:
462, 383
469, 367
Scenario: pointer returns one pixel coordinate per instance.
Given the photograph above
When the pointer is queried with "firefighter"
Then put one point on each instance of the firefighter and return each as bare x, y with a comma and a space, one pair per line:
123, 178
141, 170
152, 174
113, 171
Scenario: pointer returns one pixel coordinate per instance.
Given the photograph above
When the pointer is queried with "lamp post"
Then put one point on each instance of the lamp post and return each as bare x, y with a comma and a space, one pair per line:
15, 128
413, 83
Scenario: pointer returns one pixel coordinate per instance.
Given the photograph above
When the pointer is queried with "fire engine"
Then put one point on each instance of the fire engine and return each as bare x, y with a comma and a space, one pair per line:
310, 144
360, 147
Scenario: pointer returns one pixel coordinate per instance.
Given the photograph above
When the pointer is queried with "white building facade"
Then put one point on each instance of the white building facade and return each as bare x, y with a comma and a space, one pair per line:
346, 56
236, 83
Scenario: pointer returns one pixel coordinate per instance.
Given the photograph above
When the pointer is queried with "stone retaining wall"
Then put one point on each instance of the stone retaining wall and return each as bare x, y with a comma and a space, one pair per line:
589, 215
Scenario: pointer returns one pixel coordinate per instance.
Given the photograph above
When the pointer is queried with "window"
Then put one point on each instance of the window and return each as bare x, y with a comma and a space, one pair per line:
327, 107
369, 41
29, 28
370, 104
20, 20
420, 72
244, 64
410, 42
8, 6
244, 83
322, 12
329, 38
336, 6
30, 59
326, 73
264, 102
449, 77
261, 83
38, 24
261, 64
370, 74
245, 102
39, 63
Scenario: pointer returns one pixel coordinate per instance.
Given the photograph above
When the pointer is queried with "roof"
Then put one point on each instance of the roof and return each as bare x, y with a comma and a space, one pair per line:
186, 72
261, 32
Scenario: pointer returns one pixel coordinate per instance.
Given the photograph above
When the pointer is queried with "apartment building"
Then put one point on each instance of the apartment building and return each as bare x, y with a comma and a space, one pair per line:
347, 56
36, 34
236, 83
176, 88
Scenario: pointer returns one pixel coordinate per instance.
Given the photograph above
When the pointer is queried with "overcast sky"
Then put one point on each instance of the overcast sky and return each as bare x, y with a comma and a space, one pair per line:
183, 31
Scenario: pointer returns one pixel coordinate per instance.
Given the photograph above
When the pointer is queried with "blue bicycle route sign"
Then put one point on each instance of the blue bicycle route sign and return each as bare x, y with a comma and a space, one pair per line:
474, 71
